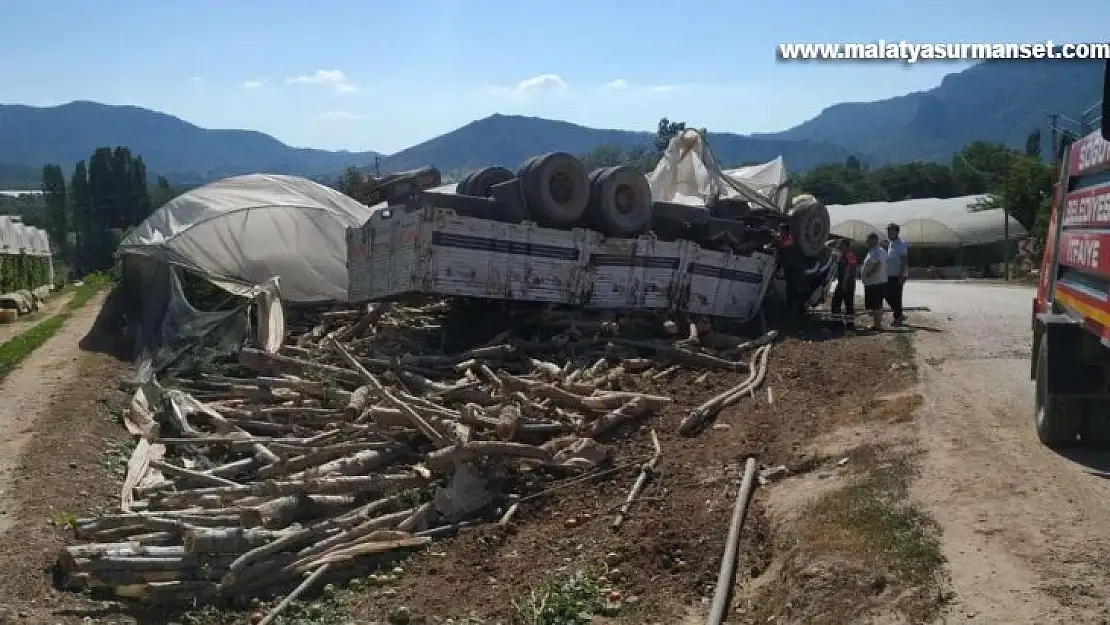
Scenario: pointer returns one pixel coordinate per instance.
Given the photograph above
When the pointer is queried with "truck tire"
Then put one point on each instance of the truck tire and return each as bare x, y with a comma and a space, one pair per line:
1094, 433
556, 189
1058, 419
463, 187
810, 224
620, 202
479, 183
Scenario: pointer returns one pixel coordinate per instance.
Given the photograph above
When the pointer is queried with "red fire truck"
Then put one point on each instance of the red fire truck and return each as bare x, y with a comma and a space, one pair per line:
1071, 310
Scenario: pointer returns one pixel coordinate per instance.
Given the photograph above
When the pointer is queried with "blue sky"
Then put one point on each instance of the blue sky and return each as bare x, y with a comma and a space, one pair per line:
385, 74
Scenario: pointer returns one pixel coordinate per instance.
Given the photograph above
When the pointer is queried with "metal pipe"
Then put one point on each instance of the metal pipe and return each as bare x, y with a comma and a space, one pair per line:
732, 546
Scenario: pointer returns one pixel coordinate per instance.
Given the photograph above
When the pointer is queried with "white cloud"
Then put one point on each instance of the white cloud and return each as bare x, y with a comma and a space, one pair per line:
543, 82
196, 80
663, 88
339, 115
333, 78
254, 84
619, 83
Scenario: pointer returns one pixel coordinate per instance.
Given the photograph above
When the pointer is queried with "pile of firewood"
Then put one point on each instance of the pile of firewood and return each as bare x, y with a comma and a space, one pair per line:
363, 436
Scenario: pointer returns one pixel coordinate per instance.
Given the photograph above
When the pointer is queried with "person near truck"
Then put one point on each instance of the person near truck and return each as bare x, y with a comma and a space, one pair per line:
874, 276
897, 267
845, 292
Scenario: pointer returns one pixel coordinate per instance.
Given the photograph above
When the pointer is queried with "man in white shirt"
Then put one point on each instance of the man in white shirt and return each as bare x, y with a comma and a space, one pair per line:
874, 276
897, 268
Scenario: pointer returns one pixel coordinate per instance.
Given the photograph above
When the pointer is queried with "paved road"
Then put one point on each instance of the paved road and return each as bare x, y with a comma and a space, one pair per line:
1026, 530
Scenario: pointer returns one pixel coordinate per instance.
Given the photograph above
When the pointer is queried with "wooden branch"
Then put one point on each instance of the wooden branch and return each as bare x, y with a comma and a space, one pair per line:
641, 480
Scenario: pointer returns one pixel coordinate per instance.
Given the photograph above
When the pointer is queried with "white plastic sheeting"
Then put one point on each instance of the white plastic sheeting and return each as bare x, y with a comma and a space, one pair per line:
688, 173
242, 231
767, 178
931, 222
17, 238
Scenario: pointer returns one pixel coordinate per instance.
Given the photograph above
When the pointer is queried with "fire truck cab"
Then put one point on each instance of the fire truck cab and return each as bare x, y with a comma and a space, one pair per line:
1071, 309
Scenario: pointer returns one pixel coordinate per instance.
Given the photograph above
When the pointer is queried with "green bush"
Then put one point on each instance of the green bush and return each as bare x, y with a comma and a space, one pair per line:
23, 271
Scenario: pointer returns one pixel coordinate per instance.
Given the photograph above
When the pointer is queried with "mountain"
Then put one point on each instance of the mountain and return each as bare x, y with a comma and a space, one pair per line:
992, 101
508, 140
185, 153
995, 101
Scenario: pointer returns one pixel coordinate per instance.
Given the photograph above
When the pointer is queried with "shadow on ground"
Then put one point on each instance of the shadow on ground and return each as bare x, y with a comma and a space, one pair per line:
1096, 462
106, 335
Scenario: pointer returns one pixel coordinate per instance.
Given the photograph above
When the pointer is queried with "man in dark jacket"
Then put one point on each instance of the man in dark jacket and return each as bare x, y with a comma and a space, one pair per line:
845, 292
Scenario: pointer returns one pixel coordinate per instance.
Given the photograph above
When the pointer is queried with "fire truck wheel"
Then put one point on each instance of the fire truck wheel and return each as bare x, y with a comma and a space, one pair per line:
1095, 431
463, 187
556, 189
811, 225
479, 183
620, 202
1058, 419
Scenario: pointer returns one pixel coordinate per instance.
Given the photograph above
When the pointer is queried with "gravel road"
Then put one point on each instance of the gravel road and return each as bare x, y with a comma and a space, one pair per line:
1026, 530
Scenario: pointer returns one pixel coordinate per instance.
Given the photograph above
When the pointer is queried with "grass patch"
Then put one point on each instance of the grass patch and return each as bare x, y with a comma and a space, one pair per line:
20, 347
14, 351
860, 550
574, 600
91, 285
874, 520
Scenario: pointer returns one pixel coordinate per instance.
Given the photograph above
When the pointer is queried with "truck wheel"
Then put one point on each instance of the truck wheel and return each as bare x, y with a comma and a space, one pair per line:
620, 201
480, 182
1058, 419
525, 167
463, 187
1095, 431
556, 189
810, 224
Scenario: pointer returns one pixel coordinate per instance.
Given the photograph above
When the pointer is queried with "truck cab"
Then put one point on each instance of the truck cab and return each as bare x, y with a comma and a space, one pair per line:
1071, 308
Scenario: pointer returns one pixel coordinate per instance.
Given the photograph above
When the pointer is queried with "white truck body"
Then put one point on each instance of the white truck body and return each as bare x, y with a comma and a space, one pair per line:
405, 250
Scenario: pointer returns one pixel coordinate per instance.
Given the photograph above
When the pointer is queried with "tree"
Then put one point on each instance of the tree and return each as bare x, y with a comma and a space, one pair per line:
82, 215
1033, 144
980, 167
837, 183
162, 193
604, 156
57, 208
914, 181
665, 132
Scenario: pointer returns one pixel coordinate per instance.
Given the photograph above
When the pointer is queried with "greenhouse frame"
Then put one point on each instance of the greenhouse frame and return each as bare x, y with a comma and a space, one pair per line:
940, 232
26, 259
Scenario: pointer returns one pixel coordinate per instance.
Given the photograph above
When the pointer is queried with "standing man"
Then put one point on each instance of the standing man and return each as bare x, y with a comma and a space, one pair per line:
845, 293
874, 276
897, 267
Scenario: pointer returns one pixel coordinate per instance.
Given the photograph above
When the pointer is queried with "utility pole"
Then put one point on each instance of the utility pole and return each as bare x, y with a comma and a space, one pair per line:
377, 167
1054, 127
1006, 226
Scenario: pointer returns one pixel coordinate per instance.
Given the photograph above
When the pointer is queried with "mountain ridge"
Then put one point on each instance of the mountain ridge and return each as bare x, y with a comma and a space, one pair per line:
991, 101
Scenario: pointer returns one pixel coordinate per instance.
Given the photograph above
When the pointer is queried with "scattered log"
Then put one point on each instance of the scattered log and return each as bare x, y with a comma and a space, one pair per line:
364, 434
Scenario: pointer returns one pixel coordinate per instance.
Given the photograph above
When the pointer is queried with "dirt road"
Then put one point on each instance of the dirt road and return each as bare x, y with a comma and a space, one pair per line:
52, 307
1025, 529
31, 388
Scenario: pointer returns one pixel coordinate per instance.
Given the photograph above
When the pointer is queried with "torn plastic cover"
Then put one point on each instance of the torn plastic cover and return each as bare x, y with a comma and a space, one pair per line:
172, 335
688, 173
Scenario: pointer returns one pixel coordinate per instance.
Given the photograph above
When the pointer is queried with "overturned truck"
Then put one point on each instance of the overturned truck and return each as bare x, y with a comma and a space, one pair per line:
688, 237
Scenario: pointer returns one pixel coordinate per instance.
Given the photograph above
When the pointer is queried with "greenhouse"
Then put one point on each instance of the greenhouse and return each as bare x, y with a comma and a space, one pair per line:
256, 237
940, 232
25, 256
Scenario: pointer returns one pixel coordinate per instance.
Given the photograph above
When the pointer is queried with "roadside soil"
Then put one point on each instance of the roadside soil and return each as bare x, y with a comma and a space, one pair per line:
664, 559
827, 397
61, 447
53, 306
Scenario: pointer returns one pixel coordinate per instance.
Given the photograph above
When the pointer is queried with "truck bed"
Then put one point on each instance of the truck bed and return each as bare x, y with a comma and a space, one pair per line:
428, 249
